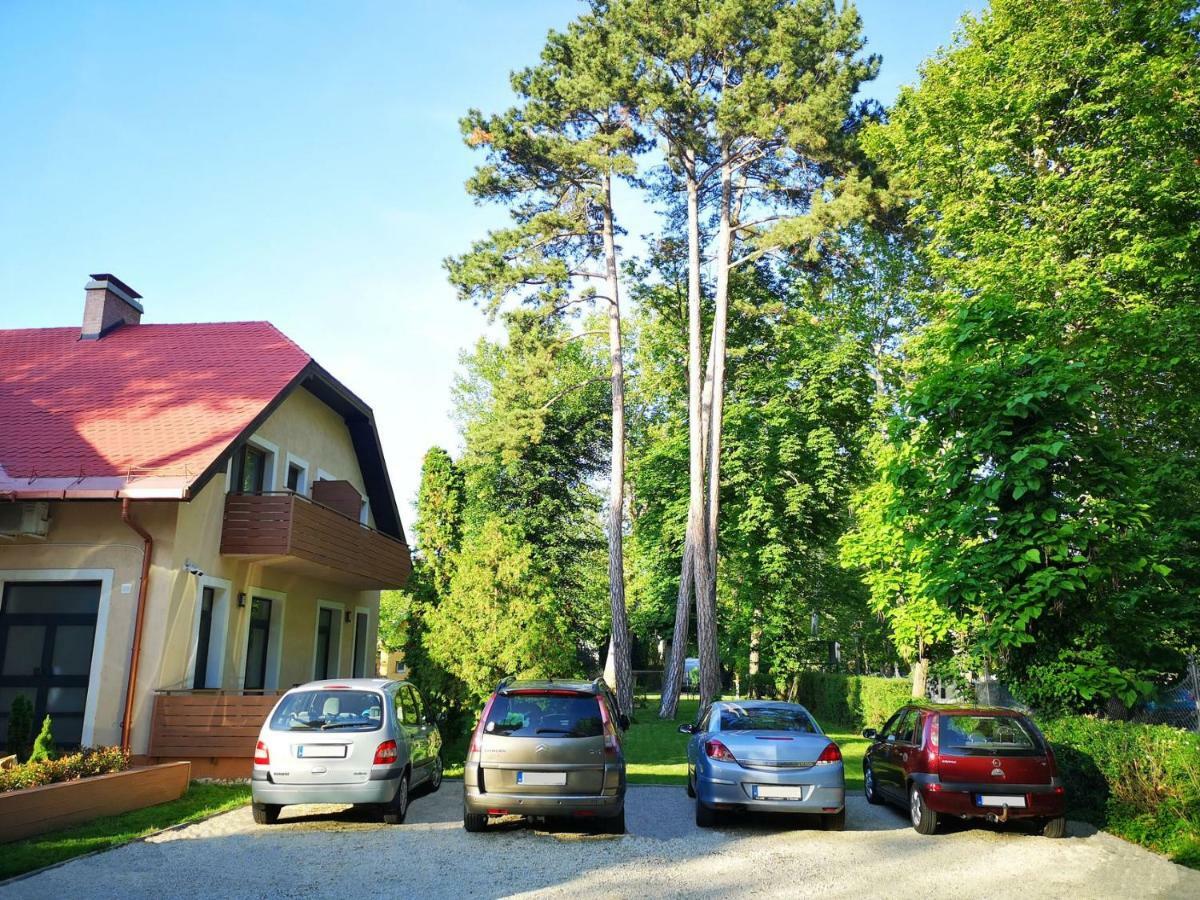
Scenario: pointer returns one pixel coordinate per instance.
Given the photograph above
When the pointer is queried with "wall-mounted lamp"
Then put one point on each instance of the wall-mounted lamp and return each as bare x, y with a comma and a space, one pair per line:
347, 617
241, 600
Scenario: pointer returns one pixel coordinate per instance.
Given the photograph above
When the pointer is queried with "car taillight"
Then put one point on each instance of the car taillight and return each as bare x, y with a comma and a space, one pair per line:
610, 731
831, 754
477, 737
714, 749
385, 754
934, 731
262, 756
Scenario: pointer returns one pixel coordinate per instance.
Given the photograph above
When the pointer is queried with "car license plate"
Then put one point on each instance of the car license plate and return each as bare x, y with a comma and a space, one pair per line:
1013, 801
554, 778
321, 751
779, 792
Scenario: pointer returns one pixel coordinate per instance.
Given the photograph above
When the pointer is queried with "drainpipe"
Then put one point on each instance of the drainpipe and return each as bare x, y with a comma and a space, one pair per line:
135, 653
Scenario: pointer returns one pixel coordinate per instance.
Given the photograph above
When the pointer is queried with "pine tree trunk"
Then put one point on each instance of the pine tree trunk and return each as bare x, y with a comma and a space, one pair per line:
619, 650
697, 527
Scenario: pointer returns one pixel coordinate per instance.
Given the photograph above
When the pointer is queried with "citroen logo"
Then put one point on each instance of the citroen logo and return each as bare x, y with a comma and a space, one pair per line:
540, 747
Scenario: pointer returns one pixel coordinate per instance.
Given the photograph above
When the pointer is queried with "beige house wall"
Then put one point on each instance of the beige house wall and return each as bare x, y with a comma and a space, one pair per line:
89, 536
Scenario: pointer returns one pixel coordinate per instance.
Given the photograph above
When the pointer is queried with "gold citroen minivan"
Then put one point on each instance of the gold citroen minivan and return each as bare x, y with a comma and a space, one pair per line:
547, 749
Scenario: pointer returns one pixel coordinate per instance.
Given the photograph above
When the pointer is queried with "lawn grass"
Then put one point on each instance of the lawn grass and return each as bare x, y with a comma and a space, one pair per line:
201, 800
656, 753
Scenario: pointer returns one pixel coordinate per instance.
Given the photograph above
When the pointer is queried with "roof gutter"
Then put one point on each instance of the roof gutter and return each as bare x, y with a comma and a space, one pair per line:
135, 653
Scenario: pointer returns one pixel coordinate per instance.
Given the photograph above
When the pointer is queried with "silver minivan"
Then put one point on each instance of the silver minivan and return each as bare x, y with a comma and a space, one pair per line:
359, 740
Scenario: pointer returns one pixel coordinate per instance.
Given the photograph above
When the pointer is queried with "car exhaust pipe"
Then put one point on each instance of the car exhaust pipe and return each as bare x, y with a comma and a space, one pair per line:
1000, 819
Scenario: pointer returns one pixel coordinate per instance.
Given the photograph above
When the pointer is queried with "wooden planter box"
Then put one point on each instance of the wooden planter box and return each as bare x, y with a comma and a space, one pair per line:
37, 810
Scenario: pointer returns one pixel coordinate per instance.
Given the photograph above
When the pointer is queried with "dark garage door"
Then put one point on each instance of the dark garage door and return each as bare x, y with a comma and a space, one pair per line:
47, 630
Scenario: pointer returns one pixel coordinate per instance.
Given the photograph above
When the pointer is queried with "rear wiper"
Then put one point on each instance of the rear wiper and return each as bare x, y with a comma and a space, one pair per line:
315, 723
346, 724
554, 731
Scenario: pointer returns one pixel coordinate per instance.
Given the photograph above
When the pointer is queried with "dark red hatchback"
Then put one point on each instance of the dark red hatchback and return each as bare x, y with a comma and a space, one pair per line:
968, 762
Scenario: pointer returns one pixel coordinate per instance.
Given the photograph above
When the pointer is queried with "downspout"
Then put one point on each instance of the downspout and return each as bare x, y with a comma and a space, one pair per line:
135, 653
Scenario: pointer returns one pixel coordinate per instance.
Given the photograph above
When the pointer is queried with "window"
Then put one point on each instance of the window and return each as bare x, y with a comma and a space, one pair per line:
257, 643
326, 651
295, 479
361, 621
364, 511
544, 715
250, 470
399, 666
739, 718
416, 704
962, 734
204, 638
900, 726
329, 709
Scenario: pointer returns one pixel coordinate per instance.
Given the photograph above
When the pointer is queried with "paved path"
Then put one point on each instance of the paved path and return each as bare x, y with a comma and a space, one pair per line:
332, 852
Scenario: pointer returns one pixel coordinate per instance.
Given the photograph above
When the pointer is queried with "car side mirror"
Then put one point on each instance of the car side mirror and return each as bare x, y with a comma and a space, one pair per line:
891, 739
685, 728
870, 734
623, 721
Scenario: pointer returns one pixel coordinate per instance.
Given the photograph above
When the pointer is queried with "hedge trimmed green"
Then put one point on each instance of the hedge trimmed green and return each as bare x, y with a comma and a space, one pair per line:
859, 701
1141, 782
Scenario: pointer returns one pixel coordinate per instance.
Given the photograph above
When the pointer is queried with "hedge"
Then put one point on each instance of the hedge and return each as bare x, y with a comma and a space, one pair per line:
1141, 782
857, 701
98, 761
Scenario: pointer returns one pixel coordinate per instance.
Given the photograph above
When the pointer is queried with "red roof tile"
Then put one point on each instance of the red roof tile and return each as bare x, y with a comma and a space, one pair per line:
161, 400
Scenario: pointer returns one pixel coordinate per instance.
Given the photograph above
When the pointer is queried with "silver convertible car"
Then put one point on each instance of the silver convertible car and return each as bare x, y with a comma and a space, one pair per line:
364, 741
763, 756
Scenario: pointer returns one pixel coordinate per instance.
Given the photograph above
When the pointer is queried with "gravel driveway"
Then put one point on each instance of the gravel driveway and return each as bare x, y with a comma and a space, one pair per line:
332, 852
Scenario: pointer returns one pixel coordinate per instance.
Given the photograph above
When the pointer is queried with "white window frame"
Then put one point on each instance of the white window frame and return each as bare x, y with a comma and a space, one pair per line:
335, 641
219, 640
367, 654
274, 635
289, 460
322, 475
364, 511
270, 476
95, 685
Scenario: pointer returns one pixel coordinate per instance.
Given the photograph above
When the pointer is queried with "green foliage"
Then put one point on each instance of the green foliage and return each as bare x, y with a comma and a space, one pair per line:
20, 725
1051, 402
856, 701
1141, 782
43, 744
49, 770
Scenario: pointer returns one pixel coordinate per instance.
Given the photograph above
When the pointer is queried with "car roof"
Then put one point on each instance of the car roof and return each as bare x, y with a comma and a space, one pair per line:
761, 704
966, 709
362, 684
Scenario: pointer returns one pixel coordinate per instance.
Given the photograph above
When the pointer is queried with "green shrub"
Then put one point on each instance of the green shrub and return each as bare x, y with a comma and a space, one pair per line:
1141, 782
20, 725
857, 701
43, 744
99, 761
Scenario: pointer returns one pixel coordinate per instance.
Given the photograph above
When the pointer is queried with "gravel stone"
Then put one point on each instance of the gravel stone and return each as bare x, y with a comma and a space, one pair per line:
340, 852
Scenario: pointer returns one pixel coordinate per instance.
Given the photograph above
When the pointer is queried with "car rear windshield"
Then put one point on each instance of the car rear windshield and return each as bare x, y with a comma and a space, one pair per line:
990, 734
545, 715
329, 710
736, 718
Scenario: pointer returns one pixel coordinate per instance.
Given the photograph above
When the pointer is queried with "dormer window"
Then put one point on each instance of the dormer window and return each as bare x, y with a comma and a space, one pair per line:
253, 467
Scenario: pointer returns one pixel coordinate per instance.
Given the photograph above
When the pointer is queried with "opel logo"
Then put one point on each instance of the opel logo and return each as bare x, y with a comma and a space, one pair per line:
995, 762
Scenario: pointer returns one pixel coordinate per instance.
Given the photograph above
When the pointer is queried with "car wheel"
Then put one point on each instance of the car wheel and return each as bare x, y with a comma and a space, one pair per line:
706, 816
1055, 828
474, 822
615, 824
394, 812
691, 788
870, 789
924, 819
435, 777
265, 813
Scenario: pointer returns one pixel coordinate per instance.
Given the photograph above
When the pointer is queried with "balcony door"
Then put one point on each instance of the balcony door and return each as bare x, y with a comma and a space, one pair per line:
327, 649
47, 631
361, 651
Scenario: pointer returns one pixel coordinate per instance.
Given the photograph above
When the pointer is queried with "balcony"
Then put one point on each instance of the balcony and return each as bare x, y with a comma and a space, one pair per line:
287, 531
216, 730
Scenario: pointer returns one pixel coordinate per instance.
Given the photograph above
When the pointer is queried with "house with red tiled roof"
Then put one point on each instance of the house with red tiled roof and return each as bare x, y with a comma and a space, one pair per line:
192, 519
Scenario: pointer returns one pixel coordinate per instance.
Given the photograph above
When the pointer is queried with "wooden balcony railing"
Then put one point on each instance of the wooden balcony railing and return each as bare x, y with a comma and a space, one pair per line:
208, 724
289, 531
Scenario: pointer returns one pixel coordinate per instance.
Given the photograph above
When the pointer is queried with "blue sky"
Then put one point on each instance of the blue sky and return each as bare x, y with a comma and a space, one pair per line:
295, 162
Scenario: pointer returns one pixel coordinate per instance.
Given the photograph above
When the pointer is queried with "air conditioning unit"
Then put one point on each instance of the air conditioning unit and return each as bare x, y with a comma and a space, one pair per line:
24, 519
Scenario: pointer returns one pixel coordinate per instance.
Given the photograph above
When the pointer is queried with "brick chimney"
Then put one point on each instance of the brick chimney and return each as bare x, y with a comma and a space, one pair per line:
108, 303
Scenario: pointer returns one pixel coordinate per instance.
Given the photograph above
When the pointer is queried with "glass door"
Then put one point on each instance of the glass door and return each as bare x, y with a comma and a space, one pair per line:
47, 630
321, 665
257, 642
360, 644
204, 639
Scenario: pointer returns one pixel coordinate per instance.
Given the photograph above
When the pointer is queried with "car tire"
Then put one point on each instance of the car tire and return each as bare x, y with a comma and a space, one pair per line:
615, 824
870, 786
435, 777
835, 821
1055, 828
394, 812
691, 788
474, 822
265, 813
924, 820
706, 816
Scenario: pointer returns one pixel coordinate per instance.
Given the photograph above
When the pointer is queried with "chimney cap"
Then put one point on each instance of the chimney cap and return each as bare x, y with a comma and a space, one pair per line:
112, 283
